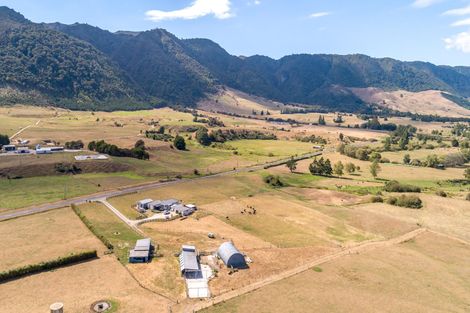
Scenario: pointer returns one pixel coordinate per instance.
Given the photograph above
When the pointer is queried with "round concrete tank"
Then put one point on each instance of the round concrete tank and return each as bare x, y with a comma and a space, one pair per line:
57, 307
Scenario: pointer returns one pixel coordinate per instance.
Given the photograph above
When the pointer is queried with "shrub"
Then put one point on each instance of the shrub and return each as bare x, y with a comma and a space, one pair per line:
384, 160
415, 162
376, 199
395, 186
350, 168
47, 265
67, 168
441, 193
392, 200
202, 137
274, 181
406, 201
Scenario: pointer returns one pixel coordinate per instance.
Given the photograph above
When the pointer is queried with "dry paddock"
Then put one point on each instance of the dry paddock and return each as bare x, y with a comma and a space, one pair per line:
397, 278
42, 237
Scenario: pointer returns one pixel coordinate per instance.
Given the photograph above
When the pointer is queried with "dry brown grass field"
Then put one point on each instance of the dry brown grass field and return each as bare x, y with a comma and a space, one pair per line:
43, 237
427, 274
78, 286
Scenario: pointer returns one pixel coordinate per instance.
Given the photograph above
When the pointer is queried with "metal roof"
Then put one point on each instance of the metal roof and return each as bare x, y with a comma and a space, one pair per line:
231, 256
145, 201
188, 259
180, 207
142, 244
138, 254
170, 201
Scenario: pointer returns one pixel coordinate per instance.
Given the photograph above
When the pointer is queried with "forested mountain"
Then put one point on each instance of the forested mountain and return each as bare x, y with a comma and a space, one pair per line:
42, 66
81, 66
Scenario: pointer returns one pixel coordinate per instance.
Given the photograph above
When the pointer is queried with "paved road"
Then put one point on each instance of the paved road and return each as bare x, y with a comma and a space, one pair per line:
133, 189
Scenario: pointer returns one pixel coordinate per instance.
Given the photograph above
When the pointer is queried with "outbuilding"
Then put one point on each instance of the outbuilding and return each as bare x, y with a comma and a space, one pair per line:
231, 256
163, 205
9, 148
143, 205
189, 262
141, 252
183, 210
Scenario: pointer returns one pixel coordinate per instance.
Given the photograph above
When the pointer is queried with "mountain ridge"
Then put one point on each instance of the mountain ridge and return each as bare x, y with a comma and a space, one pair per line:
154, 67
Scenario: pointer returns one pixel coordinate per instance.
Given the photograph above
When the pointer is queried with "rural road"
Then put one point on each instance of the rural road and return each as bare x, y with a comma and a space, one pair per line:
133, 189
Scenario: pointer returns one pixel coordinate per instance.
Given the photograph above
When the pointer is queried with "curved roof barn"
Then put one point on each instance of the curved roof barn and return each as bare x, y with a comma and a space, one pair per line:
231, 256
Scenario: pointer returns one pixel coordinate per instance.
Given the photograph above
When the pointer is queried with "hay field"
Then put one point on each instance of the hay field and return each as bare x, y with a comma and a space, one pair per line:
427, 274
42, 237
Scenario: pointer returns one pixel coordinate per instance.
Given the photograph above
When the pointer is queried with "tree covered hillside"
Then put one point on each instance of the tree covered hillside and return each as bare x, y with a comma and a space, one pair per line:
84, 67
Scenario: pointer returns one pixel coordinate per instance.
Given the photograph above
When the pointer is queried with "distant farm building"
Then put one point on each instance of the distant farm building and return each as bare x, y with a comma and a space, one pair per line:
189, 262
22, 150
183, 210
91, 157
43, 151
141, 251
9, 148
231, 256
143, 205
163, 205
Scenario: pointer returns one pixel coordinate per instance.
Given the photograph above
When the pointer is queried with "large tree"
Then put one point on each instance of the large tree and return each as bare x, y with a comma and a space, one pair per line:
291, 164
179, 143
4, 140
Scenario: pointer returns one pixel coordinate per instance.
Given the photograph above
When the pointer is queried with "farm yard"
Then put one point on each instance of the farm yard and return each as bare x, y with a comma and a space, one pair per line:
402, 276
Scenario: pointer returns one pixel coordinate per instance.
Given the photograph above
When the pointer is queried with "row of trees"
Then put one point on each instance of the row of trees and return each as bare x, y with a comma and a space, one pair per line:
138, 152
74, 145
205, 139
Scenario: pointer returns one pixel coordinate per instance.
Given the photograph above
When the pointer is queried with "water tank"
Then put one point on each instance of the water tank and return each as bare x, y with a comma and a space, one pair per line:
57, 307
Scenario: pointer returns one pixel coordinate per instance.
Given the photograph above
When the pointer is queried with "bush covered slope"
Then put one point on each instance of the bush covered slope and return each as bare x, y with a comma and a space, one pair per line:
84, 67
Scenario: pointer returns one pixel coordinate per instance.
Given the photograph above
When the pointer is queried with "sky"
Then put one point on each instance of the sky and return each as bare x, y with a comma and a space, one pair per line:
437, 31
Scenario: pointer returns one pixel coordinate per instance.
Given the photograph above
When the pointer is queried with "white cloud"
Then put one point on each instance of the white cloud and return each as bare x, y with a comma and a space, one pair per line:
319, 14
459, 42
257, 2
458, 12
199, 8
424, 3
464, 22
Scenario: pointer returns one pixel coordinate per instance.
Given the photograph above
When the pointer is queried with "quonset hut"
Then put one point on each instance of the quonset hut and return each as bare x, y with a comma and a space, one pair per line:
231, 256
